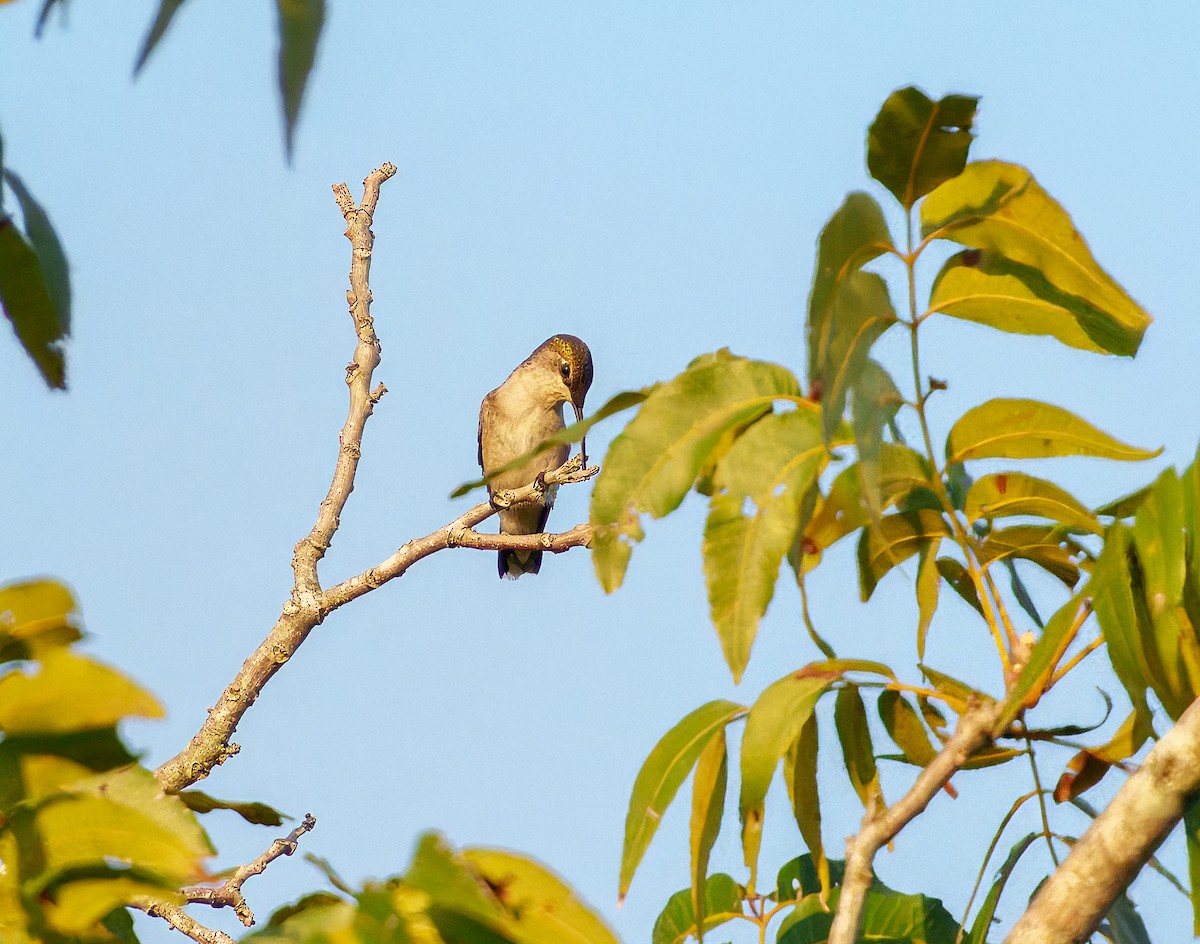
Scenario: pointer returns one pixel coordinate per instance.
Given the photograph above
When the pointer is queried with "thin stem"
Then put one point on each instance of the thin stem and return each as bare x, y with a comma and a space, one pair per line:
1077, 658
1037, 782
1012, 810
1009, 632
960, 534
826, 649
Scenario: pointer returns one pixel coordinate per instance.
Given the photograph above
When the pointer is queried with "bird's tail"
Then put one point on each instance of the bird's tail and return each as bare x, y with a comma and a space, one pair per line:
512, 564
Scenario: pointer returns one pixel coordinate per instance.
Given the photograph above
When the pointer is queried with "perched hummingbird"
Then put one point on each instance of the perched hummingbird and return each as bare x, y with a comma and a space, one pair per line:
519, 415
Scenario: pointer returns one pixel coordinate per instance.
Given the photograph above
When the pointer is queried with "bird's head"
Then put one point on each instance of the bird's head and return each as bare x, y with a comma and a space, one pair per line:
572, 362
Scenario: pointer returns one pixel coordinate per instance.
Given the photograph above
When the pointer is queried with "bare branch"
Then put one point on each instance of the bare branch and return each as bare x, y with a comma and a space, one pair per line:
181, 921
358, 377
459, 533
1121, 840
881, 826
308, 604
229, 894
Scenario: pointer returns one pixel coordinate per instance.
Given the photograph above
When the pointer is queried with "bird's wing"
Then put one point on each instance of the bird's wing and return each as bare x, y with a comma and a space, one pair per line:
483, 408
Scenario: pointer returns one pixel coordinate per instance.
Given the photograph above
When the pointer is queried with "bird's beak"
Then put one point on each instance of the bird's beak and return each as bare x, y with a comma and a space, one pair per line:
583, 440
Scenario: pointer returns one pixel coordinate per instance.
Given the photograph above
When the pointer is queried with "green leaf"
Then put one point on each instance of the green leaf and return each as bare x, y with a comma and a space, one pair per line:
1005, 494
861, 312
45, 242
258, 813
1041, 544
452, 884
1126, 506
988, 289
891, 916
959, 692
987, 911
1029, 429
1021, 592
300, 23
314, 918
858, 751
915, 143
663, 773
874, 404
1000, 207
1111, 591
1159, 539
752, 523
708, 806
772, 726
722, 902
542, 908
1046, 653
651, 465
162, 19
70, 693
854, 235
896, 538
800, 775
26, 300
572, 434
798, 878
905, 727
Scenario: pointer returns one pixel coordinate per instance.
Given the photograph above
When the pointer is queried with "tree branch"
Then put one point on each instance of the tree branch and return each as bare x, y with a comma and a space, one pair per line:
229, 894
181, 921
1121, 840
312, 547
308, 605
881, 826
459, 533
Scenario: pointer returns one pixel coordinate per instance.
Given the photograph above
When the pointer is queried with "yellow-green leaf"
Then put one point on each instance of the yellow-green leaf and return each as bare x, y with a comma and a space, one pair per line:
1041, 544
772, 726
904, 726
928, 584
70, 692
854, 235
874, 404
651, 465
708, 806
35, 615
988, 289
663, 772
800, 776
121, 815
860, 313
1029, 429
850, 719
1047, 651
752, 523
1000, 207
892, 541
1111, 591
543, 908
1005, 494
915, 143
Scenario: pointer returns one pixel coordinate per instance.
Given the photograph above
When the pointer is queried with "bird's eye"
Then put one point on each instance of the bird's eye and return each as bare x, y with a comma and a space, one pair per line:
566, 370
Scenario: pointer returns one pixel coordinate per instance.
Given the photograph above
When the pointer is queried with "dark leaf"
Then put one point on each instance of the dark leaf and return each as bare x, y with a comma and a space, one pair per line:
162, 19
25, 298
300, 23
915, 143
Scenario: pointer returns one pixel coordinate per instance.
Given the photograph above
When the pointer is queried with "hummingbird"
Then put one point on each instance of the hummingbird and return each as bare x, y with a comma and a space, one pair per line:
519, 415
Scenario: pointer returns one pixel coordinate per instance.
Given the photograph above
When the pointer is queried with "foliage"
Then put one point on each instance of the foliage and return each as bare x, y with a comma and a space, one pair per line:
788, 470
787, 475
35, 284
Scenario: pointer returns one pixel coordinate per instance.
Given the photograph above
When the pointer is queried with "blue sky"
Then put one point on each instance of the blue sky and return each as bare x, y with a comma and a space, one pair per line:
649, 176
